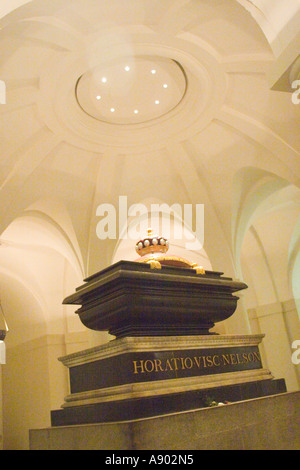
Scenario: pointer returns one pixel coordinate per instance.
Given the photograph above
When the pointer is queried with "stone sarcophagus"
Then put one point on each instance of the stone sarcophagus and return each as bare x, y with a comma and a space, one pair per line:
164, 358
134, 299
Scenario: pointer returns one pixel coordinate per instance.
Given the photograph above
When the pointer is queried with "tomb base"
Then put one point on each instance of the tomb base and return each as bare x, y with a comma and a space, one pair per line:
141, 377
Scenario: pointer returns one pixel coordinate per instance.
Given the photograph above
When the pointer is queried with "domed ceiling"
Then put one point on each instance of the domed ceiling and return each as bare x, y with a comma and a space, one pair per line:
159, 101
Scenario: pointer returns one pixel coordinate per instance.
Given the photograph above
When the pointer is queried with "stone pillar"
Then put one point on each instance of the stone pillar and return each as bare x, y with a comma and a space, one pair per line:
279, 323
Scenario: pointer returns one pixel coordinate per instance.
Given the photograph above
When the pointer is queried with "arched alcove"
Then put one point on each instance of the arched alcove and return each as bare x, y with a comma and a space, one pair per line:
39, 266
24, 308
251, 188
277, 21
294, 265
265, 218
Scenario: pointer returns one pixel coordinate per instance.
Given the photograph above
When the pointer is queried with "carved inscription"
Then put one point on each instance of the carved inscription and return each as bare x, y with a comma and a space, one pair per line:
146, 366
149, 366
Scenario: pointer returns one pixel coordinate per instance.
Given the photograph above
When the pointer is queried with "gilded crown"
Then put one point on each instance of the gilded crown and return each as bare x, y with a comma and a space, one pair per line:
152, 244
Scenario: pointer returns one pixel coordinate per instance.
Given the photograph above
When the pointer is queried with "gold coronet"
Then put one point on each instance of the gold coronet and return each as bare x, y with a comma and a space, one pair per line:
152, 250
152, 244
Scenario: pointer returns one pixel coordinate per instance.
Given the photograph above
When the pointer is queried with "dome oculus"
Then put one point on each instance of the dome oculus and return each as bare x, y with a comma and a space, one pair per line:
132, 88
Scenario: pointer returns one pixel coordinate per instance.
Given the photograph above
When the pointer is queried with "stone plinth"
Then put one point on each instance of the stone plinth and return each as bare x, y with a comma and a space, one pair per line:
140, 377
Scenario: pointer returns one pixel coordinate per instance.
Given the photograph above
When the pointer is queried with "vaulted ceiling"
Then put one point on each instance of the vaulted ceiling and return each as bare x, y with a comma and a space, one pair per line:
160, 101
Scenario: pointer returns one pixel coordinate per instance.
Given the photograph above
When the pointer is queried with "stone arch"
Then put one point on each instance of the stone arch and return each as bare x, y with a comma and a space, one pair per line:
294, 265
251, 188
265, 227
39, 249
276, 21
23, 307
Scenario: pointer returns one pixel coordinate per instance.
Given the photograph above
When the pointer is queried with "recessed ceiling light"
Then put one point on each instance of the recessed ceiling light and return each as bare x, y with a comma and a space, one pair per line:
114, 92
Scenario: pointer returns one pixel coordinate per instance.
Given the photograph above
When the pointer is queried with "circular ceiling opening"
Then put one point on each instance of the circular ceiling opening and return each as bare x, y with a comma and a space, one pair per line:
132, 90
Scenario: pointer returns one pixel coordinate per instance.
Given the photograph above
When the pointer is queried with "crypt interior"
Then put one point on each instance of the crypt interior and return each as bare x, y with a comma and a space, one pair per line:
169, 102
